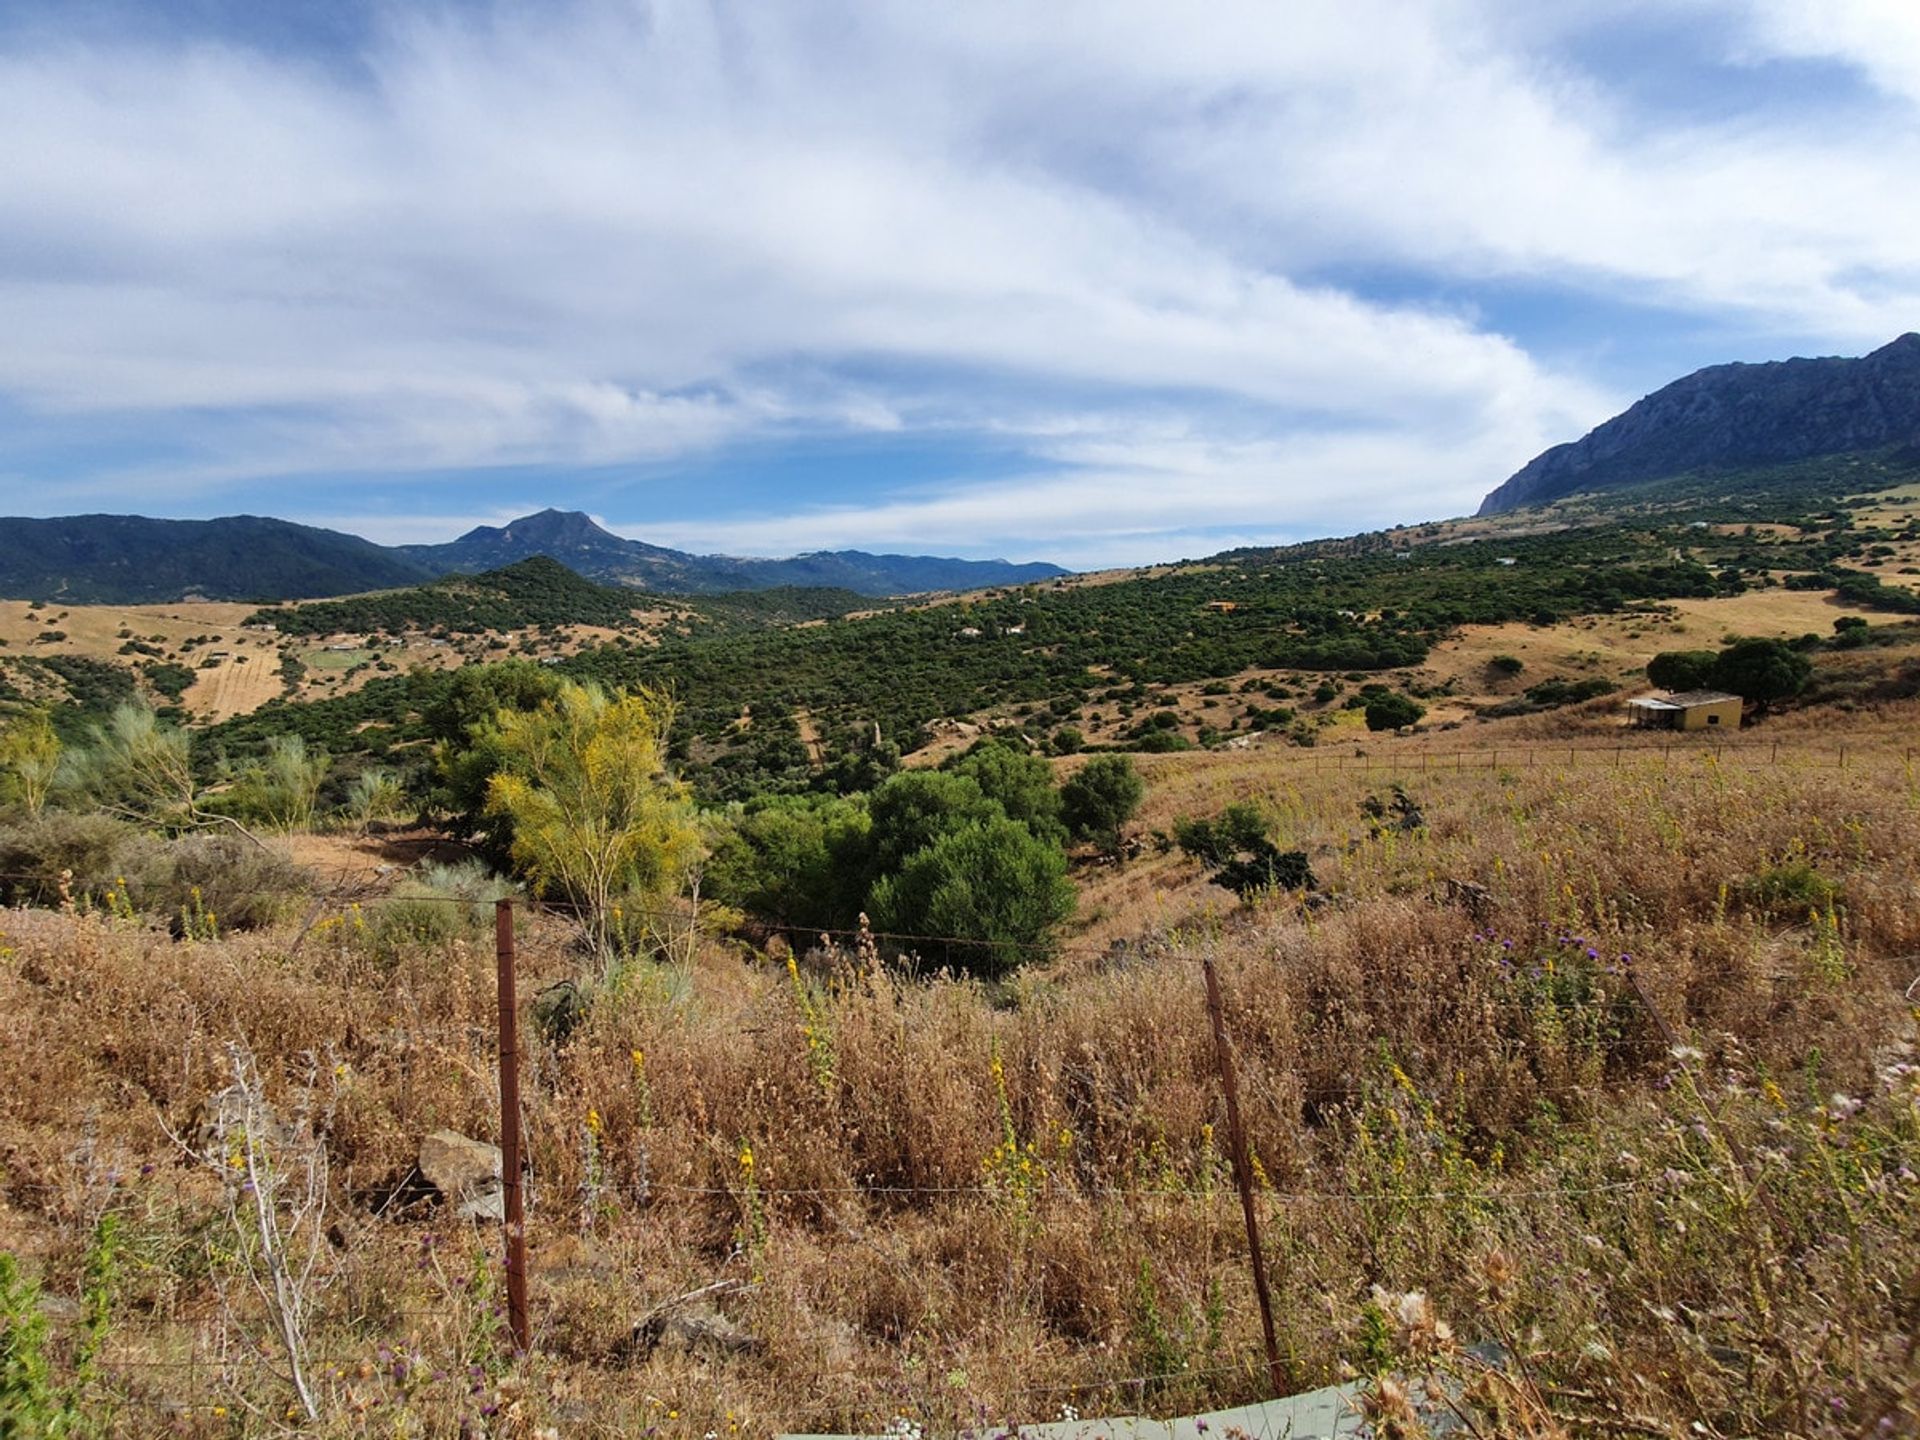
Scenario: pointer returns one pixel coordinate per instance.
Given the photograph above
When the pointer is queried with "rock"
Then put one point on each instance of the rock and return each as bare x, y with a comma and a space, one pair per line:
466, 1173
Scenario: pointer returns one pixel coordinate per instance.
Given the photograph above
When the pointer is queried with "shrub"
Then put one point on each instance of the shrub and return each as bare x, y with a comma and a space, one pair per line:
1393, 712
993, 888
34, 852
794, 859
1236, 847
240, 883
916, 808
1790, 890
438, 904
1098, 800
1506, 665
1021, 782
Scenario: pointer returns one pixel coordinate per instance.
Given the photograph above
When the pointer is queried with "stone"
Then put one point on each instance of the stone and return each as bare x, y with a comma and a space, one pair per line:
467, 1174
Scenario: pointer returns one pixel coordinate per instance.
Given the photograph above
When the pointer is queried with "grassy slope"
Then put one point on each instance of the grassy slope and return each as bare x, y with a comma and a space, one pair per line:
1515, 1142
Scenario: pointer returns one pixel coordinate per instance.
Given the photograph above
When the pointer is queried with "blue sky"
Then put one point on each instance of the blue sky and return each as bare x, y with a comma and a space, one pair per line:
1093, 282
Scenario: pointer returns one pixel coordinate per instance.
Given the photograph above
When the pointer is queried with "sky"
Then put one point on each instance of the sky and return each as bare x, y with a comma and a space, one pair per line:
1098, 283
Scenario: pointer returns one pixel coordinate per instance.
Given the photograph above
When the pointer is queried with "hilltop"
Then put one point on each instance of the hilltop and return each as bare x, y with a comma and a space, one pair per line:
1728, 417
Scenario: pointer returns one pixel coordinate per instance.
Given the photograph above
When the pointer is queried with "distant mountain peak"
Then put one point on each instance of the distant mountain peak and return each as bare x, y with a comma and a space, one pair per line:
549, 526
586, 547
1731, 416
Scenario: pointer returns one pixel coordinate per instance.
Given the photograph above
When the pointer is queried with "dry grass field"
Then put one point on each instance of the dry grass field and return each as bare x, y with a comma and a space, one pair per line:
931, 1204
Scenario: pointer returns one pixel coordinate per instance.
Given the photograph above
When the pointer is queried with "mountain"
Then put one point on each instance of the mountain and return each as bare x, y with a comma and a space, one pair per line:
129, 559
1732, 416
576, 542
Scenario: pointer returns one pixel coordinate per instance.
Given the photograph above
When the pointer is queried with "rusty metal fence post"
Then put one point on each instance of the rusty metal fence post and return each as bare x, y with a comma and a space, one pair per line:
516, 1223
1243, 1174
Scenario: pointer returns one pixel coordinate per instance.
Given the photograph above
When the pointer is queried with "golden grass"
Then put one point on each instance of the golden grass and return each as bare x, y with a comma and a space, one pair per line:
1414, 1105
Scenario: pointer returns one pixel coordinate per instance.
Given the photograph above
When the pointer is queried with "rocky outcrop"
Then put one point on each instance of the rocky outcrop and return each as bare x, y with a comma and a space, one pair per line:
1734, 416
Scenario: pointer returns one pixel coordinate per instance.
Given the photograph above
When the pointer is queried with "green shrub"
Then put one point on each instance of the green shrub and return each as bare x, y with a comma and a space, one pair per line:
1789, 890
240, 883
1100, 798
437, 904
992, 889
1393, 712
1021, 782
34, 852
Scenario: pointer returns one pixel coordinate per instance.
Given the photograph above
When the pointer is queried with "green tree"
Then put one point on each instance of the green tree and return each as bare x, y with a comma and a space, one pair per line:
1393, 712
917, 807
29, 759
1679, 670
1100, 797
995, 891
465, 760
140, 770
1762, 671
785, 858
1020, 781
595, 815
282, 786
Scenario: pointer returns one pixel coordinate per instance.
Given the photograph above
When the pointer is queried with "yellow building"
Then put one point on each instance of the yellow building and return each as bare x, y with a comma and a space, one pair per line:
1689, 710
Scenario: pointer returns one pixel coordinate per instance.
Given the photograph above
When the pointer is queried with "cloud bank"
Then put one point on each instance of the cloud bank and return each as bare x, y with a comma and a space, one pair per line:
1250, 271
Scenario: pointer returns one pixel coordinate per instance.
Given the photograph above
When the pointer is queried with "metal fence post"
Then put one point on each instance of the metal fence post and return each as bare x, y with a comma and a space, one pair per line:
516, 1224
1243, 1174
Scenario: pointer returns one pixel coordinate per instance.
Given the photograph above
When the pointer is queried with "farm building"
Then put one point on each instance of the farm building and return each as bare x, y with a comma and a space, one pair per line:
1689, 710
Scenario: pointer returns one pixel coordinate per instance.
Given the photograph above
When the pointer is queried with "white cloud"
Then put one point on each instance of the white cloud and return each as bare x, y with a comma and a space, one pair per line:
612, 232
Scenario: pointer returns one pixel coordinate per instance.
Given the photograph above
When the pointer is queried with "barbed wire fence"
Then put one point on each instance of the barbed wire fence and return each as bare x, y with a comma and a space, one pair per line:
1259, 1198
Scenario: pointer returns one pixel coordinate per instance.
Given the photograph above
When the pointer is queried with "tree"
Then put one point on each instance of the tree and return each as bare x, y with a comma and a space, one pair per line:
595, 814
1022, 783
1679, 670
1393, 712
282, 786
140, 770
29, 758
917, 807
460, 720
1762, 671
1100, 798
991, 888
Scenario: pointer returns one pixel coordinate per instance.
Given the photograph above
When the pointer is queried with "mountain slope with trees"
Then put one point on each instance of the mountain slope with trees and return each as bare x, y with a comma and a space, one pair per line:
577, 542
133, 560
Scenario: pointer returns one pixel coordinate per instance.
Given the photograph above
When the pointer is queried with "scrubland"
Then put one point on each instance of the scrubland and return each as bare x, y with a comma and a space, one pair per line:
1684, 1208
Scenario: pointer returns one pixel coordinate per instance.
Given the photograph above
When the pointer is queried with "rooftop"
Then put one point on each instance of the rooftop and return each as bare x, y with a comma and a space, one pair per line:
1685, 700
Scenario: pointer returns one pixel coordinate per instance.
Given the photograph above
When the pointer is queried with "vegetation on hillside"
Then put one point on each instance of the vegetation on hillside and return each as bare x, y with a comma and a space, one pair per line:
1639, 1107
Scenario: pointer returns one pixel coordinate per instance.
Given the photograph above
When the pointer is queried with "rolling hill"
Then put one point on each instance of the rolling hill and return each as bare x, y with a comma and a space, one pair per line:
130, 560
578, 543
1728, 417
